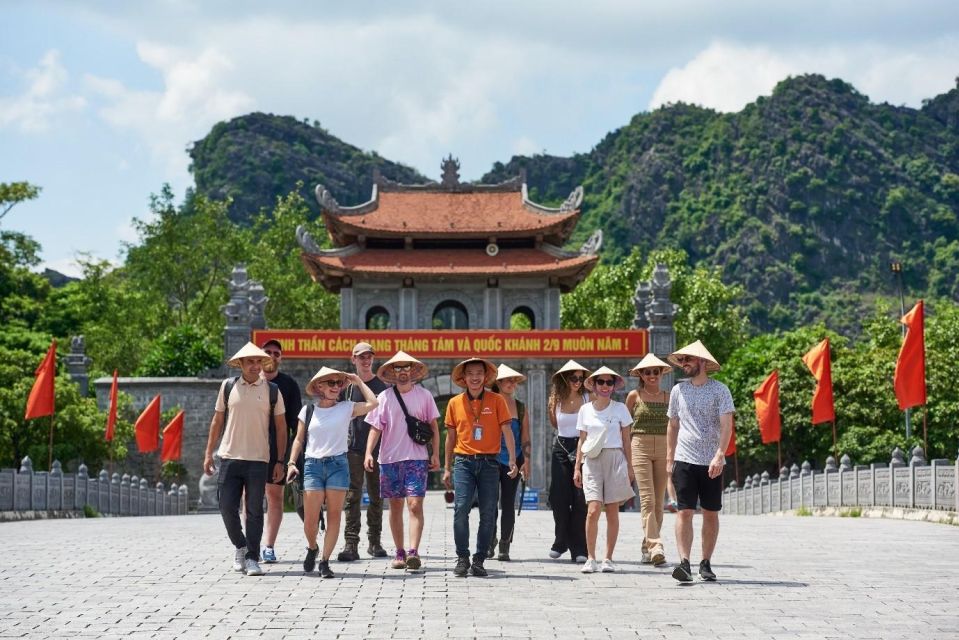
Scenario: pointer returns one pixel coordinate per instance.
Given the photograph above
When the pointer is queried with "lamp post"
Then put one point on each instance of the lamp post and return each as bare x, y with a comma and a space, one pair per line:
896, 267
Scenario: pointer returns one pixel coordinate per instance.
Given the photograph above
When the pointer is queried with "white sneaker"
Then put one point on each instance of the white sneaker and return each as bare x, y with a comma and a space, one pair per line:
647, 558
238, 559
554, 554
590, 566
252, 568
608, 566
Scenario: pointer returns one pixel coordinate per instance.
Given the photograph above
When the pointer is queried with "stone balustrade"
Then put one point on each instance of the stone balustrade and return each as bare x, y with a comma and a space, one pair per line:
29, 490
913, 485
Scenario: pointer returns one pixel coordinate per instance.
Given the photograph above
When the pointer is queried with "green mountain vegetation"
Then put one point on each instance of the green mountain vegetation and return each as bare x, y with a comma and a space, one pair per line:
802, 198
257, 158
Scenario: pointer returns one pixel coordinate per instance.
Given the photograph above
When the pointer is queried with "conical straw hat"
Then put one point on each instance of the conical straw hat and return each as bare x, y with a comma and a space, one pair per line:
605, 371
325, 373
460, 380
571, 365
504, 372
649, 361
249, 350
699, 350
387, 375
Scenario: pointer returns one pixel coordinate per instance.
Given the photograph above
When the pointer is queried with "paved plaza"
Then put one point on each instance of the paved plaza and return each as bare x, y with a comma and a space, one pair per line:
779, 577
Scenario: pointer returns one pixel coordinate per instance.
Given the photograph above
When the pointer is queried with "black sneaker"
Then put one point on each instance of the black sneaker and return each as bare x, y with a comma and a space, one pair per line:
682, 571
705, 571
462, 567
477, 569
310, 561
324, 569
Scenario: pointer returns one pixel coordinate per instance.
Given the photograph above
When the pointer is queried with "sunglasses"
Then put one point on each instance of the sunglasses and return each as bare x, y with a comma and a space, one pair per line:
685, 359
604, 382
649, 372
402, 367
575, 379
332, 384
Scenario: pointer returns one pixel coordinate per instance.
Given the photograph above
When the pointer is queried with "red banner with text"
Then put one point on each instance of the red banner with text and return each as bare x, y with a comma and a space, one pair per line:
629, 343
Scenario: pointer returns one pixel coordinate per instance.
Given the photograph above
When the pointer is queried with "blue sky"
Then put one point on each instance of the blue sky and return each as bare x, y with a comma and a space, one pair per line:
99, 100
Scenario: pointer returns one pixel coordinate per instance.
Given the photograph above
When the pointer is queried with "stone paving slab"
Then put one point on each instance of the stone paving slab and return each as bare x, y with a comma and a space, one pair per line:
780, 577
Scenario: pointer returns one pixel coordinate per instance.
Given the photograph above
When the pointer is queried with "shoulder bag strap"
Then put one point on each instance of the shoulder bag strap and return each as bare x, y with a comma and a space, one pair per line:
399, 397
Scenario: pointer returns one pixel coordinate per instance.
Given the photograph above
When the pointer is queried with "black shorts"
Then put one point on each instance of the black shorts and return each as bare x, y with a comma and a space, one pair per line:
693, 485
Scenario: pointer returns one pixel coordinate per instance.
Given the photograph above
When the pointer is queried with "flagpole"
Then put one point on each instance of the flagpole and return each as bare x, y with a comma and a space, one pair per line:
50, 446
835, 449
925, 430
736, 465
779, 446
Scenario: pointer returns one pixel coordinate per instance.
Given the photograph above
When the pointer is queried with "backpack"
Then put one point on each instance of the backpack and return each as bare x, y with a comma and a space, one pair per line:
274, 394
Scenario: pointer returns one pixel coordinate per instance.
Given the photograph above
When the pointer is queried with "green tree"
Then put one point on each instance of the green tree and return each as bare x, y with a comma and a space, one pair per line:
180, 351
13, 193
22, 292
185, 257
274, 260
708, 309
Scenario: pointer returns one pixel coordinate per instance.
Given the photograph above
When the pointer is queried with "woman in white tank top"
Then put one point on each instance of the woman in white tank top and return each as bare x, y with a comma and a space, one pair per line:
566, 500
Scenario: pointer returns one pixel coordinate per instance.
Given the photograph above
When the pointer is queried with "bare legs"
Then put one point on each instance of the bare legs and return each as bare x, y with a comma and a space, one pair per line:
593, 509
274, 512
312, 503
415, 506
684, 532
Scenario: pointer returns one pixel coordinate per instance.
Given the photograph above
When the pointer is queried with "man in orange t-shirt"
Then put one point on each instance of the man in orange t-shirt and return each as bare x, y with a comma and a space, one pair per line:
476, 420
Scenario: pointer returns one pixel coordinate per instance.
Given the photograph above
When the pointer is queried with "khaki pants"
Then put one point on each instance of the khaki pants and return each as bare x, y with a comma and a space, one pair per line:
649, 465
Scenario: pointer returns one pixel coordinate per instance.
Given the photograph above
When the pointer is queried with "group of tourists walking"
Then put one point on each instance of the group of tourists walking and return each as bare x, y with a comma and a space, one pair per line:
382, 428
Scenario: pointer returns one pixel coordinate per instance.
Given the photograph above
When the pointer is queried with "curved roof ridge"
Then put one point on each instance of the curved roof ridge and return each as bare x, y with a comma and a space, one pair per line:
328, 203
572, 202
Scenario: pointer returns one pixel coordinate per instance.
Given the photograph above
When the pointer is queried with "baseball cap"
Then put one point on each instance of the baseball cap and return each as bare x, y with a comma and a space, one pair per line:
362, 347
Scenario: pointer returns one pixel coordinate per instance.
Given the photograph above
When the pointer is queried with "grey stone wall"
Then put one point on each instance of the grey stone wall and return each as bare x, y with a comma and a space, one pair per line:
24, 490
918, 485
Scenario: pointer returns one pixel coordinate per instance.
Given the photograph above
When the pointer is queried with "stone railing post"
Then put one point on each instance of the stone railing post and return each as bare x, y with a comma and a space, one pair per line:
8, 478
765, 497
160, 500
845, 466
125, 495
783, 487
23, 486
55, 487
173, 499
115, 494
184, 500
748, 496
81, 499
144, 497
895, 463
134, 508
103, 491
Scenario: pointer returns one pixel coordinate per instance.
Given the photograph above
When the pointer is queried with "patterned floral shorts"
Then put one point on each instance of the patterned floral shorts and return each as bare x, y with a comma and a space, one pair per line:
403, 479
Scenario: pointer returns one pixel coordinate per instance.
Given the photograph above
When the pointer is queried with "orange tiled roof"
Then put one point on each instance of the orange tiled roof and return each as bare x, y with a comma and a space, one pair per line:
446, 264
450, 214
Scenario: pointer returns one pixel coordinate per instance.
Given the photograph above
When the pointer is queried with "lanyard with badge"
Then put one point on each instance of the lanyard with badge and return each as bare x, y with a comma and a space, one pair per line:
477, 425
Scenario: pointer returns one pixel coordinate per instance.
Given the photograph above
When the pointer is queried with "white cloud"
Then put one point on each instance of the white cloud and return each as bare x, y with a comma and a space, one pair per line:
191, 101
43, 99
526, 146
726, 76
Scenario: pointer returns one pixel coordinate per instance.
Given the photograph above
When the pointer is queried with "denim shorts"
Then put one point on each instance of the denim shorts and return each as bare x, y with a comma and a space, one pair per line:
320, 474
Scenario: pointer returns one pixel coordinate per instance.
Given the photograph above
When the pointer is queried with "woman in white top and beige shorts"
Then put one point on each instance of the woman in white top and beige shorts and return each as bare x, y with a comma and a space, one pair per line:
605, 475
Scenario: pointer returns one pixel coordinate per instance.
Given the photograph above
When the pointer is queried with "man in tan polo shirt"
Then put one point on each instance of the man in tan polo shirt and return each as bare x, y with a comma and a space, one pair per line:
245, 452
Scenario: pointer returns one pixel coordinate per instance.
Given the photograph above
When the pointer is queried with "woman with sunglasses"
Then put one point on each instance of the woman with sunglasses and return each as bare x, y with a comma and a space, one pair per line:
326, 471
605, 474
506, 380
647, 403
565, 498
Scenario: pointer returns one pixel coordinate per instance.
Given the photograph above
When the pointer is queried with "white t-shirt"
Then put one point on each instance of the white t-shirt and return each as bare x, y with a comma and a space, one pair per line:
328, 429
614, 417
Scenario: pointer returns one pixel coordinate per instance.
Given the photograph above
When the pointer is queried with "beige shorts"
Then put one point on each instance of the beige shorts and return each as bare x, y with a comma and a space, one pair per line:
605, 478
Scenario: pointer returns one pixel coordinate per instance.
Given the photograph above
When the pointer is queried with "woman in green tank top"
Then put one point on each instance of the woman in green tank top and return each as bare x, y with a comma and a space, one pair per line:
647, 404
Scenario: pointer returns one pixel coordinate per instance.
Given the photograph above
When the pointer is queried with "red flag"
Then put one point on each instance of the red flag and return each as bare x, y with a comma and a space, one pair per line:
817, 359
767, 408
40, 402
112, 411
173, 439
910, 377
731, 447
147, 427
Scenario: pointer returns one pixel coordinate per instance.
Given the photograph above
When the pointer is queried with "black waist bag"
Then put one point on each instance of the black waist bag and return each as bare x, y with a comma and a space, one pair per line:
419, 432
